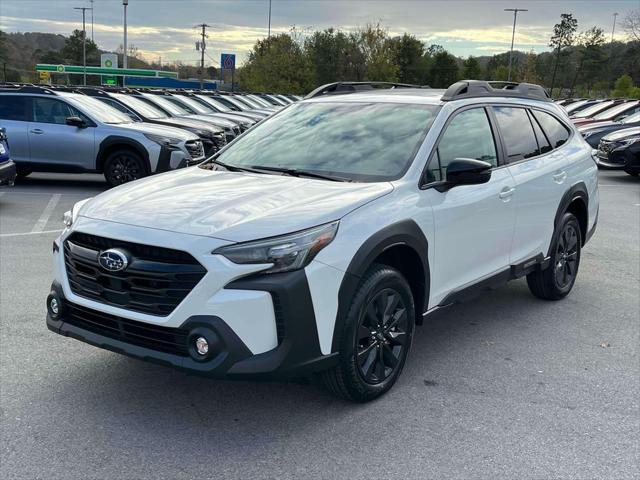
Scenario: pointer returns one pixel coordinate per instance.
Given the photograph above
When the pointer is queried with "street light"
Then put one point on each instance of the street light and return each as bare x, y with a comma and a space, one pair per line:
124, 54
513, 33
84, 42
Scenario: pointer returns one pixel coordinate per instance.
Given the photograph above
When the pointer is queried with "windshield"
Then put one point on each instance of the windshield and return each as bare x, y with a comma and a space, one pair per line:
614, 111
194, 105
260, 101
140, 107
238, 103
252, 103
98, 110
593, 109
632, 118
215, 103
359, 141
173, 109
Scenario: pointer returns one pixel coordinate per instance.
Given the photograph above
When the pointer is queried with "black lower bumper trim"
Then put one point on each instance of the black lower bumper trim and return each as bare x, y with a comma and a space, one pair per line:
8, 173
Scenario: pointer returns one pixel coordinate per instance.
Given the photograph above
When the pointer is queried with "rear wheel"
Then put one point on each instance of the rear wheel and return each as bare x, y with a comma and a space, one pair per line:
556, 281
124, 166
22, 172
376, 337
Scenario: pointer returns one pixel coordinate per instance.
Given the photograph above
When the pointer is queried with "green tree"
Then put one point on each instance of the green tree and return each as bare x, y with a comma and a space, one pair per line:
623, 86
472, 70
591, 56
408, 54
376, 50
334, 56
563, 37
444, 70
72, 50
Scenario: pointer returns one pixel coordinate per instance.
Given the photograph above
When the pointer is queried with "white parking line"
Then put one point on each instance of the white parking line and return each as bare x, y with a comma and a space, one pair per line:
46, 214
5, 235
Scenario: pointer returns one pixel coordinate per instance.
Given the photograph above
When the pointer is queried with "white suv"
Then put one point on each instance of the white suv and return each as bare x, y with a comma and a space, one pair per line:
319, 239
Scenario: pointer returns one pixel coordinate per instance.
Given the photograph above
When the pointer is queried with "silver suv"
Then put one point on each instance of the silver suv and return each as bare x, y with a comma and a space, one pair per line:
55, 131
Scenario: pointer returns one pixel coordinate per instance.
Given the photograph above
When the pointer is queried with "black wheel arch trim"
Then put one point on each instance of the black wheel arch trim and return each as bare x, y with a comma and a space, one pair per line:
125, 142
576, 192
406, 233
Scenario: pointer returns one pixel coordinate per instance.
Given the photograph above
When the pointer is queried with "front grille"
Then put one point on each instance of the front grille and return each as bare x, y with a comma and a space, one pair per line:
162, 339
155, 281
195, 149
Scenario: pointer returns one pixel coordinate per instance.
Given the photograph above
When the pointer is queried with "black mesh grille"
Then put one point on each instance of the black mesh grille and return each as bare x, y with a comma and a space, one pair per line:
279, 314
163, 339
155, 281
195, 149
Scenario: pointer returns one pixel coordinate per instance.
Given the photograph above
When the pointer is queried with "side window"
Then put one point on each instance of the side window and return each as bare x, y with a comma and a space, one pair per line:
543, 142
14, 107
468, 135
517, 133
50, 110
556, 132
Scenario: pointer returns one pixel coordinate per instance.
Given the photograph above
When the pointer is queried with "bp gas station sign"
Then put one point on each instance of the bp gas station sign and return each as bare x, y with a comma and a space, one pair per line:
109, 60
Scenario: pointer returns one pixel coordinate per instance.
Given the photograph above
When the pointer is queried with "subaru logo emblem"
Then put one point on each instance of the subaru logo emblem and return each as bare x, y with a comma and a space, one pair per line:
113, 260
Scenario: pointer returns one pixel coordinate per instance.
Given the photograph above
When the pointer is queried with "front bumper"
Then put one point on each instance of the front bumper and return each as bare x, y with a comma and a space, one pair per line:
296, 355
7, 173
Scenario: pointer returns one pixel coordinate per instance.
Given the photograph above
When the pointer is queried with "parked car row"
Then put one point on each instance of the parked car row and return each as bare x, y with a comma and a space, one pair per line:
612, 127
123, 133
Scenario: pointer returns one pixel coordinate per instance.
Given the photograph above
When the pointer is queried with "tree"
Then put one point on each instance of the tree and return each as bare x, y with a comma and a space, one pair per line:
623, 86
589, 49
331, 54
72, 50
631, 24
408, 55
444, 70
563, 37
377, 53
472, 70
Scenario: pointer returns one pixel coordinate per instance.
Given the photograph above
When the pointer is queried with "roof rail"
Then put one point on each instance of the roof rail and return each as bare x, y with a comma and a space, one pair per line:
481, 88
339, 88
25, 88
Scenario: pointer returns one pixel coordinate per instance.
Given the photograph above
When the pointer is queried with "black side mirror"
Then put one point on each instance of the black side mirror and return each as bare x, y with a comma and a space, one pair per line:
467, 171
76, 122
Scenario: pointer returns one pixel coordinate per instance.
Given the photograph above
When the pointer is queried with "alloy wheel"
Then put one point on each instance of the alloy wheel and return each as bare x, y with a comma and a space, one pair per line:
381, 336
566, 259
123, 169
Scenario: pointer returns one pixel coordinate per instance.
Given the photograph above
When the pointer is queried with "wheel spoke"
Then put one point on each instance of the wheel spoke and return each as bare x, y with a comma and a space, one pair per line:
380, 367
565, 275
389, 358
371, 315
399, 315
396, 337
363, 332
392, 303
369, 364
365, 352
573, 241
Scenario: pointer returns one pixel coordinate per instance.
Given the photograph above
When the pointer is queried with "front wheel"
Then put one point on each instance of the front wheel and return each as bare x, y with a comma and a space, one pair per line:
123, 166
376, 337
557, 280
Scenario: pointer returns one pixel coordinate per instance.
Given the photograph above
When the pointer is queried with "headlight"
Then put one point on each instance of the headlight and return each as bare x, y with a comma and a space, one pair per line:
163, 140
629, 141
70, 216
286, 253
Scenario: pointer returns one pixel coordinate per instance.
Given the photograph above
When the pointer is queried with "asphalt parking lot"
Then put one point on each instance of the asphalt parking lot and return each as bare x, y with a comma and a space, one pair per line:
504, 386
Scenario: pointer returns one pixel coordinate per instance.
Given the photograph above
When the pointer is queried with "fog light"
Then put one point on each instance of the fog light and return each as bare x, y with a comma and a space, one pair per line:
53, 305
202, 346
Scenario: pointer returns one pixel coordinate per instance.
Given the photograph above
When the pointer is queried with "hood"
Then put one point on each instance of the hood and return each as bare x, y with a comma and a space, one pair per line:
621, 134
233, 206
155, 129
582, 121
219, 121
182, 122
595, 126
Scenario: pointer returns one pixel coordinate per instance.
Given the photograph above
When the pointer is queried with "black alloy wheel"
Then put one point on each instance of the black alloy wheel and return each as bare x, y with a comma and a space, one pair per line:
123, 167
382, 335
566, 266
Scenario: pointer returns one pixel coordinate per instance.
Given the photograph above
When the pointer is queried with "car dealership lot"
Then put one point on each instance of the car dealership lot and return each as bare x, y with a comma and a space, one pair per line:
504, 386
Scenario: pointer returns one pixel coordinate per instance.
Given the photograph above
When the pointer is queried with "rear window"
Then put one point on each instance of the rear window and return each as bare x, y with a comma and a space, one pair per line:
555, 131
13, 107
517, 133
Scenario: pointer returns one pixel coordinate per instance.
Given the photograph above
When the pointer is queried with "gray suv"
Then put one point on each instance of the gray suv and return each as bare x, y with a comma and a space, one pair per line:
54, 131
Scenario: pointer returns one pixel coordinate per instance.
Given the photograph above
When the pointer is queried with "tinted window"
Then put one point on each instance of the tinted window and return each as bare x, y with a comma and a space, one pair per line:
543, 142
13, 107
359, 141
49, 110
517, 133
468, 135
556, 132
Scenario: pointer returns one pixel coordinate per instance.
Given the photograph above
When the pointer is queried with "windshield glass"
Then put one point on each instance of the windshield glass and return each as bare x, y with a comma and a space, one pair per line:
359, 141
252, 103
215, 103
194, 105
260, 101
98, 110
614, 111
236, 101
593, 109
632, 118
166, 105
140, 107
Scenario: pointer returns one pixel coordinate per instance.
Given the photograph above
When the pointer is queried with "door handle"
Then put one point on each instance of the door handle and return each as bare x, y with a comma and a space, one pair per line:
506, 192
37, 131
560, 177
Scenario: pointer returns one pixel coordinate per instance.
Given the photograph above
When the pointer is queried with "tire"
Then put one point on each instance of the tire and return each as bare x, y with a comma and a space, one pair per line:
123, 166
634, 174
371, 359
22, 172
557, 280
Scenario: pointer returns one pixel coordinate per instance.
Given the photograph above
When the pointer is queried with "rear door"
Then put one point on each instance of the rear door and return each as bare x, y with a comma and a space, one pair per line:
14, 117
539, 168
52, 142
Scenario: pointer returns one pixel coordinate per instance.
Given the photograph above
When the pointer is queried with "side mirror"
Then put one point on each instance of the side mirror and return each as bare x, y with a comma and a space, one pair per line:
76, 122
467, 171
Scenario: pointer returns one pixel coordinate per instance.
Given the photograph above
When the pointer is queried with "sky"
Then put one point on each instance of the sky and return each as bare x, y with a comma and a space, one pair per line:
166, 28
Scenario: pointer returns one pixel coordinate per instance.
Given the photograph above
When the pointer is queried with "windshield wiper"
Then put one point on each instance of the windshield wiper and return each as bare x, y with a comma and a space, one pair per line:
234, 168
294, 172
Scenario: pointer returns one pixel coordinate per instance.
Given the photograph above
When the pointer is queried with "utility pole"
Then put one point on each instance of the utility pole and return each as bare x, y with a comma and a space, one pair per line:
203, 46
91, 2
613, 30
269, 28
84, 43
513, 33
125, 63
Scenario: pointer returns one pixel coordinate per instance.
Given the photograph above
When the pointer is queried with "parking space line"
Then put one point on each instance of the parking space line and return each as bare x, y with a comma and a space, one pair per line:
5, 235
46, 214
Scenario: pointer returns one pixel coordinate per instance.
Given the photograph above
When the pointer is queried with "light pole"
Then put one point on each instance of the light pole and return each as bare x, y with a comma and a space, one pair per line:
513, 33
269, 29
613, 30
91, 2
84, 43
124, 53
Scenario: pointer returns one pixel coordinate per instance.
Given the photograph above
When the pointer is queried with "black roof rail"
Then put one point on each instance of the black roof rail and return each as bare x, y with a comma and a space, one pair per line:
339, 88
25, 88
481, 88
